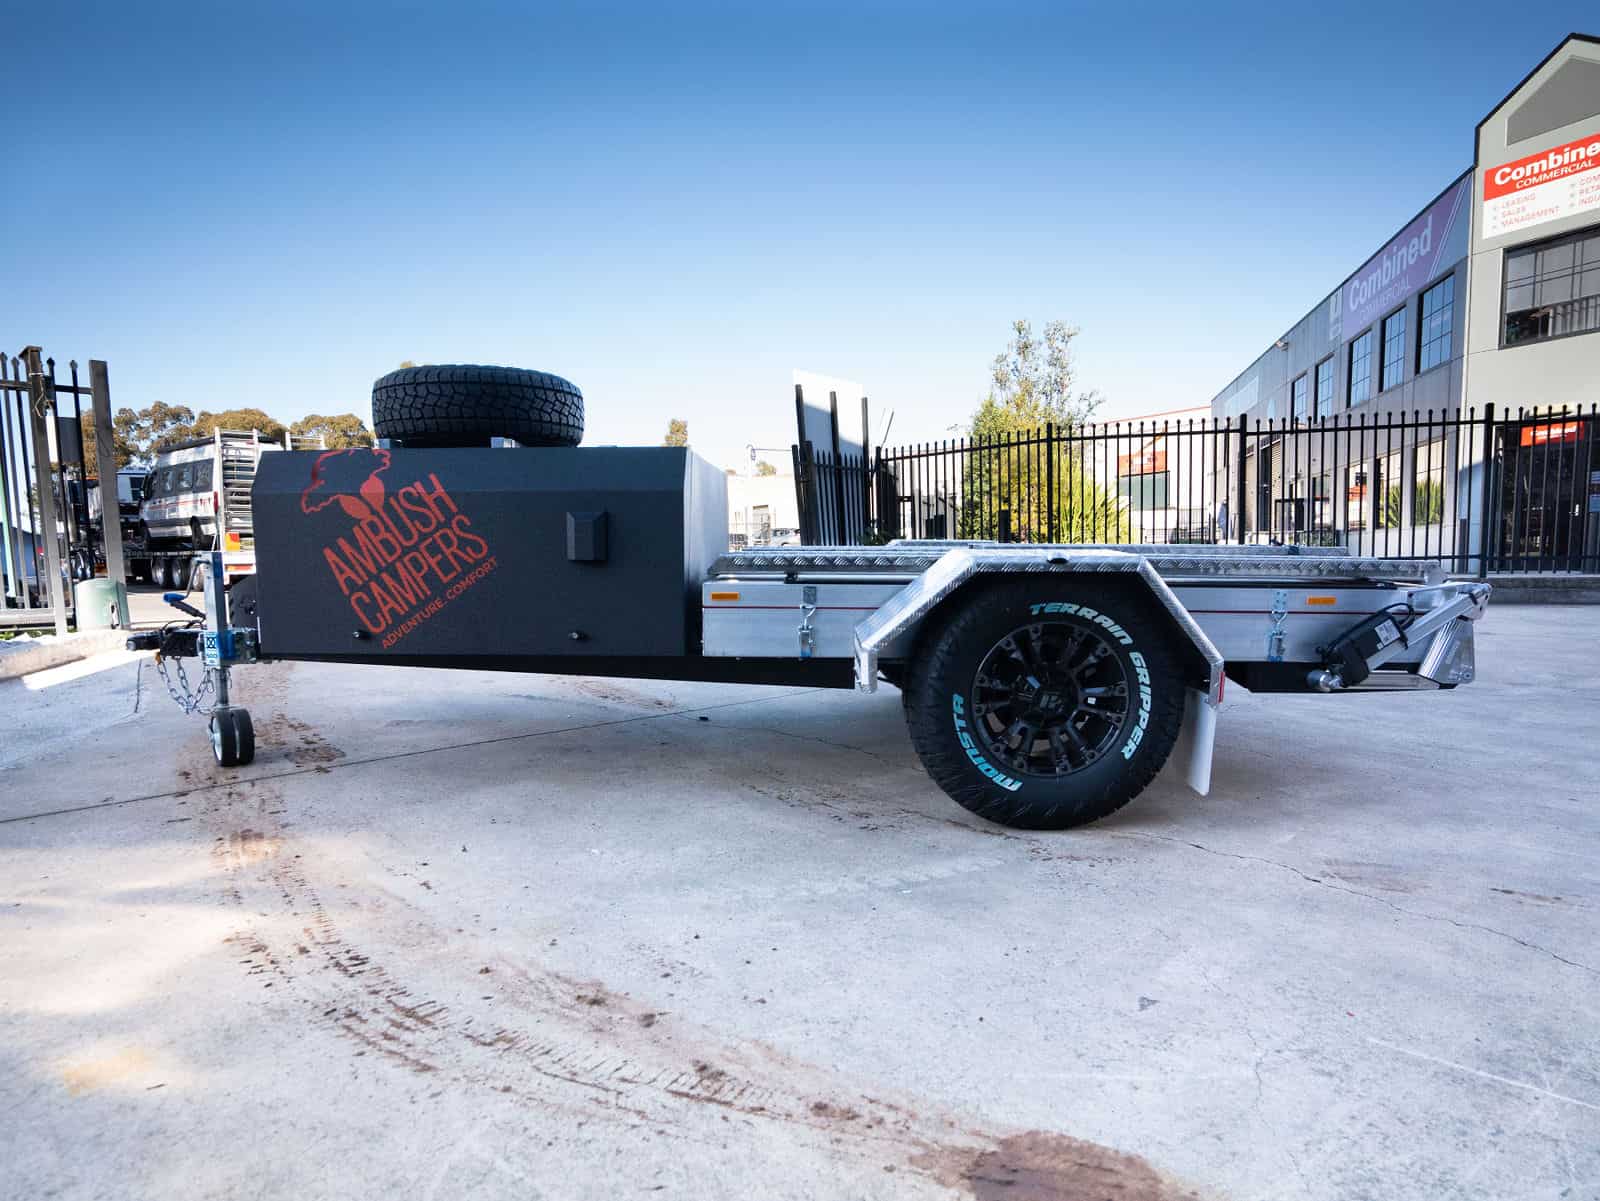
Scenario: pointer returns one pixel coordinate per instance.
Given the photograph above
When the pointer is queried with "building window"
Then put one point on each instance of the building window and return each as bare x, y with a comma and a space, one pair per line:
1553, 288
1144, 491
1355, 491
1394, 349
1438, 313
1388, 492
1360, 370
1297, 394
1325, 387
1427, 483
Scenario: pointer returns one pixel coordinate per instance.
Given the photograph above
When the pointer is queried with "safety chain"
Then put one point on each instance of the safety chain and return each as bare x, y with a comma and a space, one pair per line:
190, 700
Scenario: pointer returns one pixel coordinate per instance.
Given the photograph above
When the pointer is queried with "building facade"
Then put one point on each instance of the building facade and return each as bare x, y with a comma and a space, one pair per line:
1489, 296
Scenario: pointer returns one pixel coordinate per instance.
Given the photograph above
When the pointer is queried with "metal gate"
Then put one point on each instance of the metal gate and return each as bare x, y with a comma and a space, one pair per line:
49, 537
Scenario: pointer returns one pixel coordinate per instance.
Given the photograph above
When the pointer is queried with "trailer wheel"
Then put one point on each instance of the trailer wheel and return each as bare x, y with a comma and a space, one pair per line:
467, 406
158, 574
1040, 705
233, 737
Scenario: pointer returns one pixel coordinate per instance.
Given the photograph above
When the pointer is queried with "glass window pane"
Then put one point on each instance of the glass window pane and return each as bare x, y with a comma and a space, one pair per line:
1518, 267
1556, 258
1550, 291
1518, 299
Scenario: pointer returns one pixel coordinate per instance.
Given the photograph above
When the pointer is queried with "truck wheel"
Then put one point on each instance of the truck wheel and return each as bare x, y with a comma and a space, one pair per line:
1045, 703
233, 738
158, 574
466, 406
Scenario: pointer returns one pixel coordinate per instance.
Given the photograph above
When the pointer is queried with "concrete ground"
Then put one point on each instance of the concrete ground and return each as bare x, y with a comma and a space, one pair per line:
533, 937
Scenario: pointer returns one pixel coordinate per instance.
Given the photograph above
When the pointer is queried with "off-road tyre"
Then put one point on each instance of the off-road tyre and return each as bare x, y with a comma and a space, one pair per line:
943, 699
467, 406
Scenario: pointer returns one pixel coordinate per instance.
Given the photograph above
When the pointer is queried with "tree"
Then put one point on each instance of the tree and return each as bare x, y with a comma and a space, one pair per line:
238, 419
153, 427
765, 468
160, 426
677, 433
121, 448
405, 363
1043, 485
341, 431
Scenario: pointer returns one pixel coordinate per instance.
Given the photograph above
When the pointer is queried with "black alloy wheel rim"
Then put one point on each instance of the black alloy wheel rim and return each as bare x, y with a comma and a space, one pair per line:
1050, 699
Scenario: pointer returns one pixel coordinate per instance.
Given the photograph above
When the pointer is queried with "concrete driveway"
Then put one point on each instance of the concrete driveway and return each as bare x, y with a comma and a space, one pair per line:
534, 937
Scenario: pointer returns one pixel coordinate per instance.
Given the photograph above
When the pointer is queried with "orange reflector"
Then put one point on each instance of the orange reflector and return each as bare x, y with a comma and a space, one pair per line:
724, 596
232, 542
1322, 600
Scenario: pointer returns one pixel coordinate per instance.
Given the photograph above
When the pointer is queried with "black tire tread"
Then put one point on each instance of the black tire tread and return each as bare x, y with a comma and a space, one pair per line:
238, 737
422, 405
927, 718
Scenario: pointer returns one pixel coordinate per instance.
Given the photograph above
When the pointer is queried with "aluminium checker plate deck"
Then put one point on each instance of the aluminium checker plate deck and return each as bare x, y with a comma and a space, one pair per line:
908, 559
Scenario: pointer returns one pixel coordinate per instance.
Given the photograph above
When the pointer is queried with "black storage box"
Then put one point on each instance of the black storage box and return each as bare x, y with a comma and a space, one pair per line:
484, 554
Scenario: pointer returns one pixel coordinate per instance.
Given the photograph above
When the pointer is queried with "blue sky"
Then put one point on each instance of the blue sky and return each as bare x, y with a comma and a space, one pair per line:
675, 208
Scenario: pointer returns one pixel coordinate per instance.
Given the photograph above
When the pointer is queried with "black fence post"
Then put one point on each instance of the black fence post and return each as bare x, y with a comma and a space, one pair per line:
1484, 524
1243, 482
842, 533
805, 491
1050, 481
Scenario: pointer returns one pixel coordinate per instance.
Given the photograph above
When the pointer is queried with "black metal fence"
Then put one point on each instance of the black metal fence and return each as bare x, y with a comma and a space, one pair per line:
47, 531
1483, 492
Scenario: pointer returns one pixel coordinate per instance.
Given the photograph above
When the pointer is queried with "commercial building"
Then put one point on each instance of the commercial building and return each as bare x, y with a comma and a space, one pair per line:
1489, 296
762, 509
1160, 467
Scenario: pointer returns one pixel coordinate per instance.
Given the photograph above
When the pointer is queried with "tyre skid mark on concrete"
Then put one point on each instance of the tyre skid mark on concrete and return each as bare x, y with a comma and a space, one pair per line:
596, 1048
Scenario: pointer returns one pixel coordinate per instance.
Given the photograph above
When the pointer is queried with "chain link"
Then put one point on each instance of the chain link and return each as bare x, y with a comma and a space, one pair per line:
190, 700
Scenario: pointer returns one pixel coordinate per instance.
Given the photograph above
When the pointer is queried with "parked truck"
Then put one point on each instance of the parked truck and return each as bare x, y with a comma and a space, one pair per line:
1044, 686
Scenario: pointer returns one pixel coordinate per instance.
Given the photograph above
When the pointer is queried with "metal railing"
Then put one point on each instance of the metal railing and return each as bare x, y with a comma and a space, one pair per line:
1483, 492
47, 537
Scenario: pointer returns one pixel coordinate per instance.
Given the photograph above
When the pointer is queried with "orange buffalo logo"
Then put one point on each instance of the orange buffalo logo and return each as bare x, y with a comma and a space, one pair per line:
406, 554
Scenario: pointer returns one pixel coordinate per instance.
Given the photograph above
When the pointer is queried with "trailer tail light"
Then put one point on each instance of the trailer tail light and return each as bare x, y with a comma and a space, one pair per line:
231, 541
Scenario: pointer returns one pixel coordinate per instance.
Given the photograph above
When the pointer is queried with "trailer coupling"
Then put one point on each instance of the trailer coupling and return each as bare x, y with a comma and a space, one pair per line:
1443, 613
210, 637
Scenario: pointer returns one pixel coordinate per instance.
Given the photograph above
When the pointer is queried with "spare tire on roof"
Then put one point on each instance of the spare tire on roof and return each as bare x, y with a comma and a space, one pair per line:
461, 405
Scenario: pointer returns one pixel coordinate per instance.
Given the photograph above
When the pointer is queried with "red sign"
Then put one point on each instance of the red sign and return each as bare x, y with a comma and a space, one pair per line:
1545, 167
1559, 182
1143, 462
1538, 435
